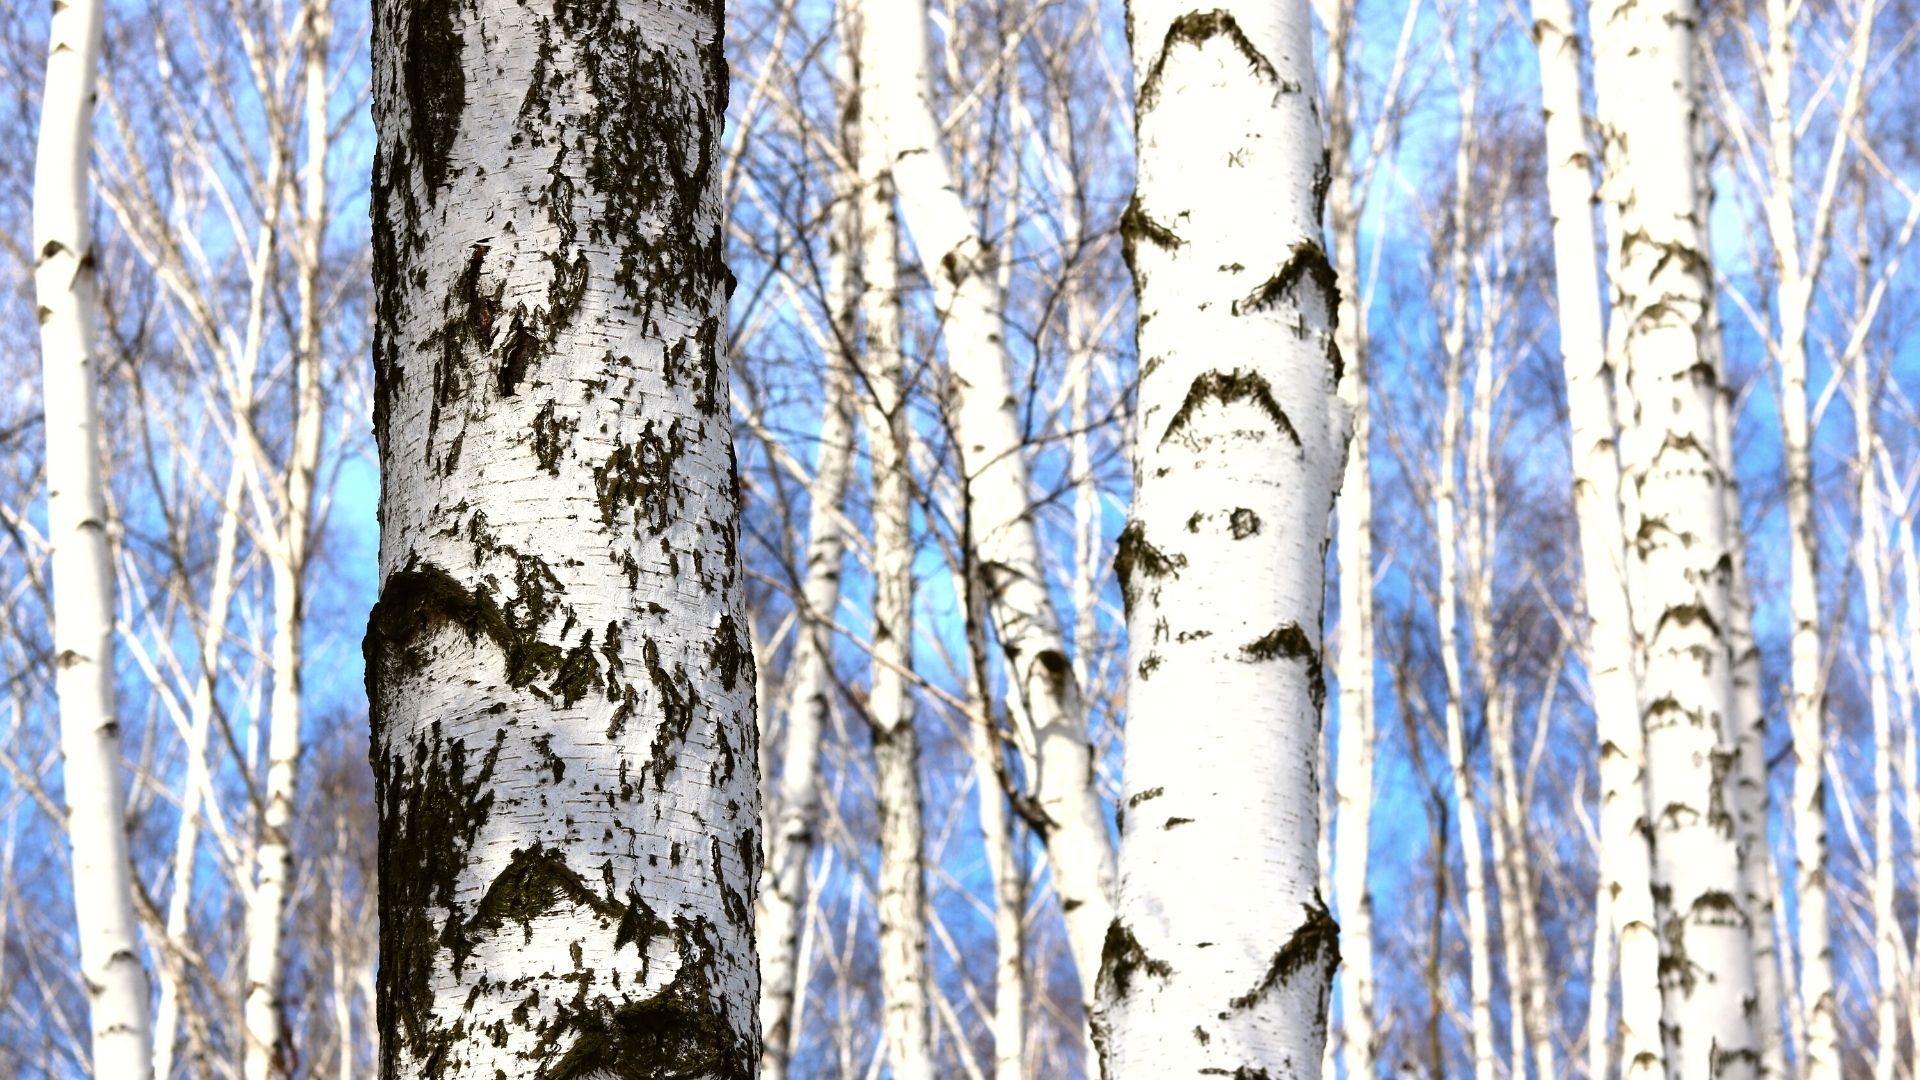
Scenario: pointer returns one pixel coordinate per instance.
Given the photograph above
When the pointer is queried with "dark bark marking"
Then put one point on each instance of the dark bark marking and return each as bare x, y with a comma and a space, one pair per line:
1306, 262
1196, 28
1228, 387
1315, 941
436, 86
1120, 958
1135, 554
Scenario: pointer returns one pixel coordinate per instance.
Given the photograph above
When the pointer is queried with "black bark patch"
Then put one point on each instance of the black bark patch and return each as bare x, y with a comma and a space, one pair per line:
682, 1030
433, 799
1136, 555
1228, 387
639, 476
1120, 958
1196, 28
436, 86
536, 881
1243, 523
1316, 941
1306, 262
1289, 642
675, 692
551, 434
424, 595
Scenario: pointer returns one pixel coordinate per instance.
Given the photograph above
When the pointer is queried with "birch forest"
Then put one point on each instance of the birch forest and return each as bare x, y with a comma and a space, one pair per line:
962, 539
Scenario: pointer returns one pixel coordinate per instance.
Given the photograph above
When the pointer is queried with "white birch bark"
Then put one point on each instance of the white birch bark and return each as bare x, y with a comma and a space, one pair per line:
901, 899
1887, 935
1806, 713
1446, 537
796, 808
1239, 449
1626, 860
559, 668
1681, 552
1009, 910
266, 1055
1354, 663
79, 556
186, 849
987, 425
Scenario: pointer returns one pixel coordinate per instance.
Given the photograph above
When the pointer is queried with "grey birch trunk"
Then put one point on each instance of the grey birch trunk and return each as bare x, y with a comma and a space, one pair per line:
559, 669
796, 808
266, 1055
1239, 449
80, 556
1626, 860
1682, 542
1354, 663
1047, 703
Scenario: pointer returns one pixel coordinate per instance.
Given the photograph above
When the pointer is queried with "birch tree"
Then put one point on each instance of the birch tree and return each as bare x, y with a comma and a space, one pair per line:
79, 554
896, 752
1681, 538
1045, 696
1240, 444
797, 808
559, 669
1626, 861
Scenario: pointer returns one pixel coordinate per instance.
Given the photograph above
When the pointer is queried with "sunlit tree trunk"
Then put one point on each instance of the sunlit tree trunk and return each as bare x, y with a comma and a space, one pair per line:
986, 418
80, 557
1682, 542
1626, 861
1239, 449
1806, 713
1354, 745
265, 1054
901, 899
559, 669
796, 808
1446, 511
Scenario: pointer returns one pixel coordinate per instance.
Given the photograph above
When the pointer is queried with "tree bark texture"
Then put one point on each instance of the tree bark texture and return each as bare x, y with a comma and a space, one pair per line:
1682, 545
558, 667
1240, 444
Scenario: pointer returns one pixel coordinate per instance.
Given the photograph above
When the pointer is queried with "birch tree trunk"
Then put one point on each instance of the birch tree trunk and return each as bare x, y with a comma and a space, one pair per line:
1886, 929
1681, 552
1354, 746
1240, 445
186, 849
265, 1054
559, 670
80, 559
990, 441
1806, 713
797, 806
1626, 860
901, 899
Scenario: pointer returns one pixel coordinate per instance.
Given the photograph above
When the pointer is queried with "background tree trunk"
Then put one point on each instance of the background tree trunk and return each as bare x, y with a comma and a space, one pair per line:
79, 551
1682, 540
